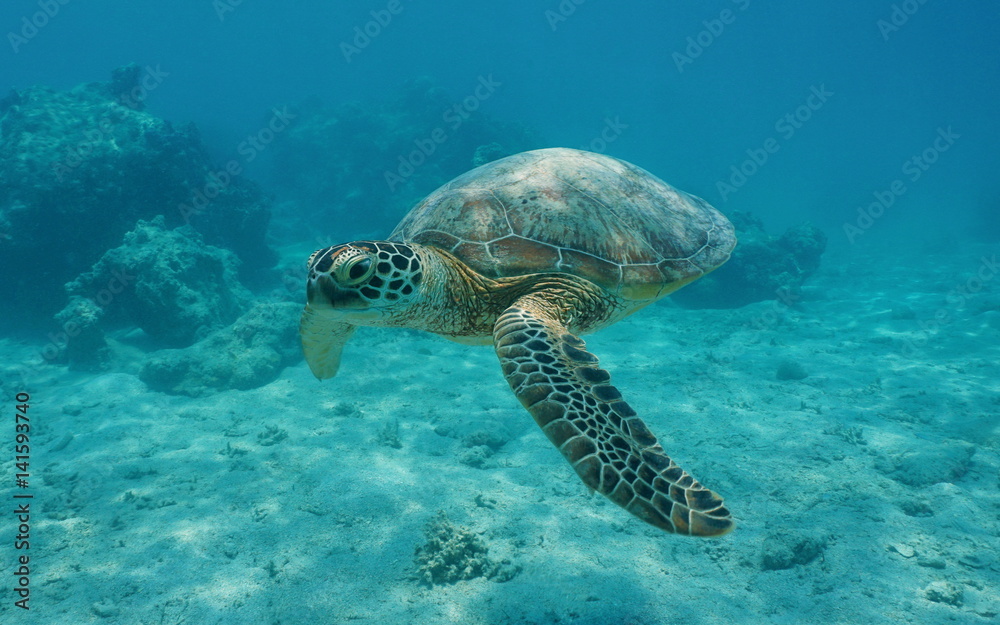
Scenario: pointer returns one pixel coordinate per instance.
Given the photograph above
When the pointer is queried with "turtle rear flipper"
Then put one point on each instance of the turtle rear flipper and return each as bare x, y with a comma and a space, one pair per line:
611, 449
323, 340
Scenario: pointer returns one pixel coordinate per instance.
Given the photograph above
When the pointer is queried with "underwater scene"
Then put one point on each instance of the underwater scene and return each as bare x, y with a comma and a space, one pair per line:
557, 312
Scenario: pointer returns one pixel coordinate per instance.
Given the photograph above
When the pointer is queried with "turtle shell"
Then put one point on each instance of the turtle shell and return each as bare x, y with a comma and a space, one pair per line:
570, 211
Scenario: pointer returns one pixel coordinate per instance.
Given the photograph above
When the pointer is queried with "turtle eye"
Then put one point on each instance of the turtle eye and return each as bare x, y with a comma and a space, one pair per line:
355, 271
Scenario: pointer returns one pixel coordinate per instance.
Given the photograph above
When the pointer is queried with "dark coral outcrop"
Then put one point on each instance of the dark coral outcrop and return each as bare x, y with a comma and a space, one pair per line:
79, 168
762, 267
169, 283
357, 168
248, 354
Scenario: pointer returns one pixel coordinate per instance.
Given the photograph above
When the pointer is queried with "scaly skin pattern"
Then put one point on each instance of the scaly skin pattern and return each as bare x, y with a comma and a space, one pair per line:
585, 417
533, 322
462, 305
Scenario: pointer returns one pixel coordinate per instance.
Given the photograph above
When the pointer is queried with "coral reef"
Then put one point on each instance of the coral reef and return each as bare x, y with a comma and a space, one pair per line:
388, 434
478, 457
488, 153
945, 592
452, 554
85, 348
248, 354
167, 282
80, 167
762, 267
357, 167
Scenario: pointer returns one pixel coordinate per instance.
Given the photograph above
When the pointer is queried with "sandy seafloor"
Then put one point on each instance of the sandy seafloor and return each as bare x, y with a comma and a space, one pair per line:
868, 492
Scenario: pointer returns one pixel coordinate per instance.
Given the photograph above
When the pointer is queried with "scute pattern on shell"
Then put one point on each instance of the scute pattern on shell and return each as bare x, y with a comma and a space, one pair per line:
565, 210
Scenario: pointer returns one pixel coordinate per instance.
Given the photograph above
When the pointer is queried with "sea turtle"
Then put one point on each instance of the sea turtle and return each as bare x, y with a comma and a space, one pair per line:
527, 253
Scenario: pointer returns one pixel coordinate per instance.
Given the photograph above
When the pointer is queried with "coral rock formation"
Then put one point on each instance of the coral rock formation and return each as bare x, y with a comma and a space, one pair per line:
762, 267
80, 167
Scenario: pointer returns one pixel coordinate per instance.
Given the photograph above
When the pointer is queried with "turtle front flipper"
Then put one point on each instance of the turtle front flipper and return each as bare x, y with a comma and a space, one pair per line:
323, 339
612, 450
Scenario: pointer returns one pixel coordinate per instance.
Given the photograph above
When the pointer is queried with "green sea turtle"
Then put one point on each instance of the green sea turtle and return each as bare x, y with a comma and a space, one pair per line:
527, 253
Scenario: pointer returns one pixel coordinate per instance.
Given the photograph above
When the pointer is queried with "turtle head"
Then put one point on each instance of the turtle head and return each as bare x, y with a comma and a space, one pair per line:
363, 280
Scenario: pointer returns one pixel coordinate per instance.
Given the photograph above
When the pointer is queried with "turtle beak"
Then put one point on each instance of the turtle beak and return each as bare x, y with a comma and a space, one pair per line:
323, 294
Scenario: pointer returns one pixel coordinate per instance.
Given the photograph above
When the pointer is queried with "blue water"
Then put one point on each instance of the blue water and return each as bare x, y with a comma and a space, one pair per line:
893, 86
876, 122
